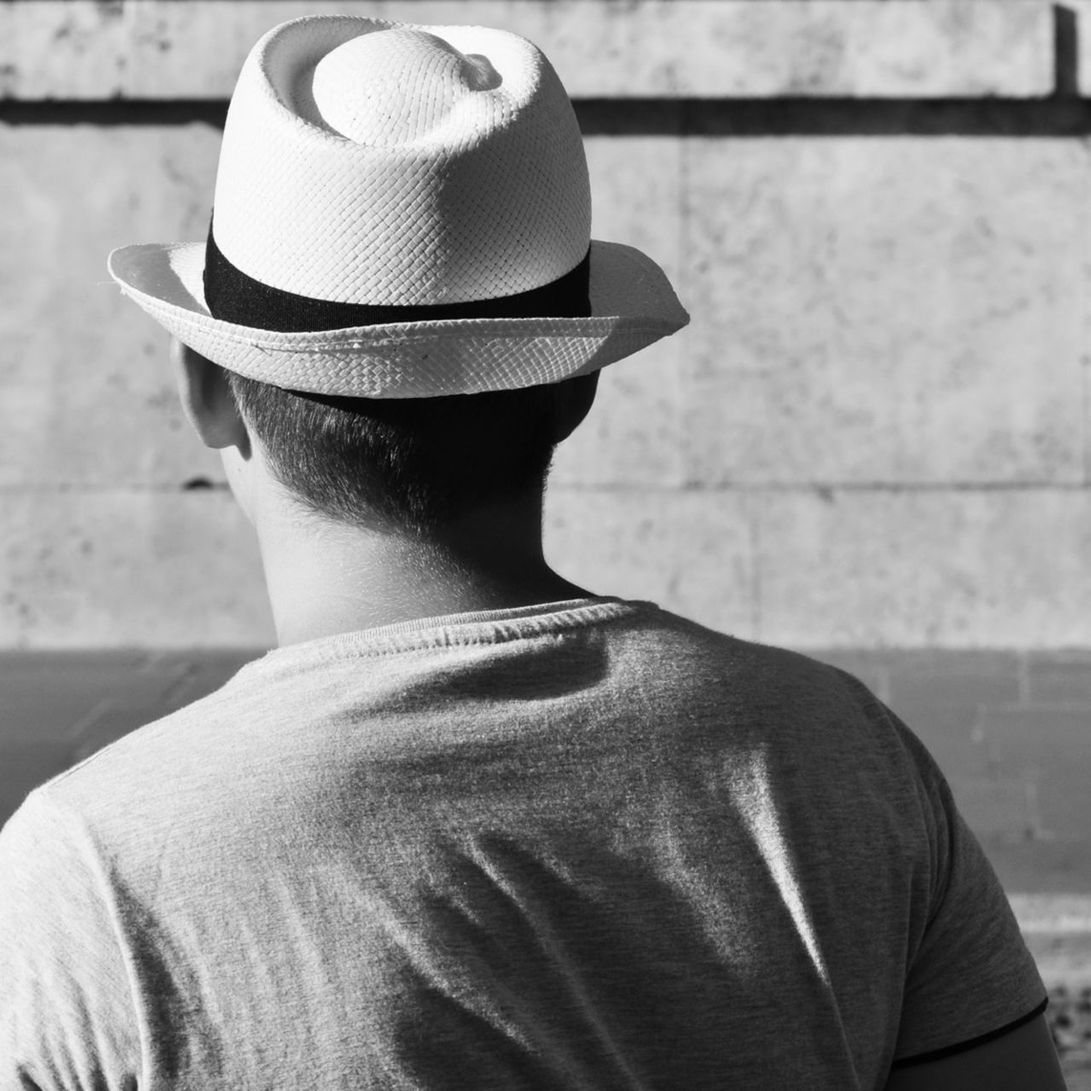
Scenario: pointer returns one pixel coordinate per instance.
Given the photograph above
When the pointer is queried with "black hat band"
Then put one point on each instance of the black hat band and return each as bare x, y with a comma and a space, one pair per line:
233, 296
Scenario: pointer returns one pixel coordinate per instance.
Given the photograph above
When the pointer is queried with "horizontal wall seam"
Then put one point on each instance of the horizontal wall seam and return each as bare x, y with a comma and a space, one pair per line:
836, 487
802, 487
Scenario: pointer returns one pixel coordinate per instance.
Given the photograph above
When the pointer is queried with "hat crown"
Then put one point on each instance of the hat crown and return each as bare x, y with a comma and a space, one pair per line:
395, 86
387, 164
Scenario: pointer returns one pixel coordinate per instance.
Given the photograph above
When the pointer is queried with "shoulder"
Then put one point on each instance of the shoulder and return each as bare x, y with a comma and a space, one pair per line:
116, 790
669, 638
762, 684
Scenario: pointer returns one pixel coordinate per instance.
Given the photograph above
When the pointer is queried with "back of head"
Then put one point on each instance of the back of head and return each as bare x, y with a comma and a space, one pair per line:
411, 466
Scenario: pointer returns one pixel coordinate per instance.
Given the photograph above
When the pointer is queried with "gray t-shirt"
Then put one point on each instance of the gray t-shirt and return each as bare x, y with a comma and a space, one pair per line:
589, 845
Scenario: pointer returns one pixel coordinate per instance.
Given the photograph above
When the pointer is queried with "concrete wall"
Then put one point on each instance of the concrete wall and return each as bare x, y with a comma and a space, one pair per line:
875, 432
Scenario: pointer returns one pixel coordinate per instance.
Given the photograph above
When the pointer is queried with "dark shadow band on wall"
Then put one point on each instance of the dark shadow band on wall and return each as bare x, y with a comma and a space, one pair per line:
836, 117
1058, 115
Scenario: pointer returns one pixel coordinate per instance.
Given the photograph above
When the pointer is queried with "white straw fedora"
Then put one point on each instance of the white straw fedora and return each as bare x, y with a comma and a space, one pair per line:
401, 211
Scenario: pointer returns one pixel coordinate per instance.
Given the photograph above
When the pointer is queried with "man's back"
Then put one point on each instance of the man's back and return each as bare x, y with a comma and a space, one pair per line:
582, 846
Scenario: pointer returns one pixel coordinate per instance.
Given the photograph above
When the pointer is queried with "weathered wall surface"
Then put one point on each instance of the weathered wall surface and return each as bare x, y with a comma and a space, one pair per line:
875, 431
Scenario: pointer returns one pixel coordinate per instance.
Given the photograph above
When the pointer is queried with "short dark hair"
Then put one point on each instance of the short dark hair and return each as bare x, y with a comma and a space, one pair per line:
410, 465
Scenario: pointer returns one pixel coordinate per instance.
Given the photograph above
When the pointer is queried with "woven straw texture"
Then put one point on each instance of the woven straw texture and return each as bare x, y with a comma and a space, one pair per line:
427, 179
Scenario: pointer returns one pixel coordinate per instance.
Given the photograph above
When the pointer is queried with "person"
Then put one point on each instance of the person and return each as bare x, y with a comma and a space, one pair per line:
470, 825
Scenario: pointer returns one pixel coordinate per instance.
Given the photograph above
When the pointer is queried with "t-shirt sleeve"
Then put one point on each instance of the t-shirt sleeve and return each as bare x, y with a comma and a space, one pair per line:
66, 1010
970, 976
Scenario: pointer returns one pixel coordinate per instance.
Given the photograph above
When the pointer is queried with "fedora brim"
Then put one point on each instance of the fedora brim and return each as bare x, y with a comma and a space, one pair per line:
632, 306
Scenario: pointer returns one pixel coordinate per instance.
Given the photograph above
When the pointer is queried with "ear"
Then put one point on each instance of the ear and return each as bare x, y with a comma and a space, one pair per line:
207, 400
574, 400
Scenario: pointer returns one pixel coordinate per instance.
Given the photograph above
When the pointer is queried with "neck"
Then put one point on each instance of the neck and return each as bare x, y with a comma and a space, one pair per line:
326, 578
